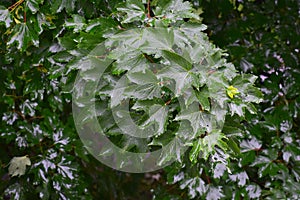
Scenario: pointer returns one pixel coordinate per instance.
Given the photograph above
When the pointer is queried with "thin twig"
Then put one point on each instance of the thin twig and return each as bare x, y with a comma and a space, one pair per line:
148, 58
15, 5
148, 9
24, 15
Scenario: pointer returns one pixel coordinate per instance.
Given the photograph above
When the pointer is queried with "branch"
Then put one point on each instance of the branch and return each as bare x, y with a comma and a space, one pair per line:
148, 9
15, 5
148, 58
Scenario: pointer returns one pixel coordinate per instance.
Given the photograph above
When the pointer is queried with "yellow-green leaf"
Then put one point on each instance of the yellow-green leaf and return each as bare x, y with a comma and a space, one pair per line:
231, 91
17, 165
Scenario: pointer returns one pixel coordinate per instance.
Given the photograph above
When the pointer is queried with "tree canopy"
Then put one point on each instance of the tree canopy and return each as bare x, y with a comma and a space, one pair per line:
167, 99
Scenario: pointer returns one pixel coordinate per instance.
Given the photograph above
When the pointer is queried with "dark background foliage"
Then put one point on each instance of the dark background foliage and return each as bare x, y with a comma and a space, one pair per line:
261, 37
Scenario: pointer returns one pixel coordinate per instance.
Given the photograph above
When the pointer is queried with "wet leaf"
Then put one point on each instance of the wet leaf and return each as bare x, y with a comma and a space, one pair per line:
134, 10
199, 120
77, 22
214, 193
248, 145
23, 35
178, 59
195, 186
254, 191
5, 16
33, 5
157, 114
207, 145
176, 83
59, 5
182, 77
241, 178
219, 170
146, 85
172, 151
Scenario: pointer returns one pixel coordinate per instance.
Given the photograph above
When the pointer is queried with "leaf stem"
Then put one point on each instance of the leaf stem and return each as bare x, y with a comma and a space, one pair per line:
24, 15
148, 9
168, 102
148, 58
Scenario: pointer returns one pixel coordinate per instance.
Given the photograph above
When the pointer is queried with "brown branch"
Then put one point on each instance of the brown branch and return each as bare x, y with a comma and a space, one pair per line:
148, 58
35, 117
15, 5
168, 102
28, 119
14, 96
207, 178
20, 114
148, 9
24, 15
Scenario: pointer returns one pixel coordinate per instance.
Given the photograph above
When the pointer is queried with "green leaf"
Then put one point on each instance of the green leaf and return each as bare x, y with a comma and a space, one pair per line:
195, 185
254, 191
249, 145
219, 170
129, 142
67, 42
189, 96
58, 5
172, 150
236, 109
23, 35
244, 85
203, 98
15, 191
206, 146
131, 39
135, 11
33, 5
162, 140
254, 95
193, 28
90, 63
176, 58
181, 76
209, 142
194, 153
157, 39
157, 114
216, 84
233, 146
17, 166
5, 16
118, 94
146, 85
248, 157
176, 10
266, 164
214, 193
241, 178
77, 22
199, 120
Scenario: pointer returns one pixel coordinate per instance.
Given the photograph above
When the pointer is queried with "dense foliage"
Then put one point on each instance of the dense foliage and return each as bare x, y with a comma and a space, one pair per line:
177, 86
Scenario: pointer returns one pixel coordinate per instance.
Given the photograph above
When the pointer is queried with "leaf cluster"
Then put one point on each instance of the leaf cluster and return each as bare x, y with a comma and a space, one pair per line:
176, 84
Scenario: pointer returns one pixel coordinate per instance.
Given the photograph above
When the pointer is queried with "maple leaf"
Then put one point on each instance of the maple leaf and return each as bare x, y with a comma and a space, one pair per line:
199, 120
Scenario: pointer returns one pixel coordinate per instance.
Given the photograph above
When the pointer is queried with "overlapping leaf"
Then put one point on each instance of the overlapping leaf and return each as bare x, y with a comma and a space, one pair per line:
23, 35
5, 16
